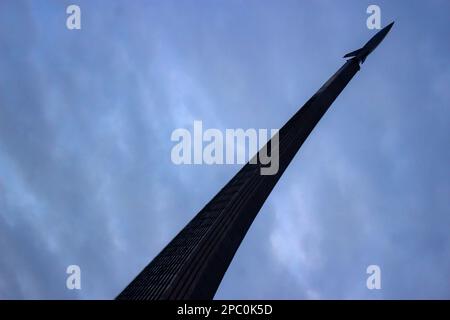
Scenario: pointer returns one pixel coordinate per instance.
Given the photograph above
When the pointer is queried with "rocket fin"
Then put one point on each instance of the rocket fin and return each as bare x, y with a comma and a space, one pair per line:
353, 53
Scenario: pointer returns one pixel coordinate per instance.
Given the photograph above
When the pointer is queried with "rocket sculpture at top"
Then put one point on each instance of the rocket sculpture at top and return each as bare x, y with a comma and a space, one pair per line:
193, 264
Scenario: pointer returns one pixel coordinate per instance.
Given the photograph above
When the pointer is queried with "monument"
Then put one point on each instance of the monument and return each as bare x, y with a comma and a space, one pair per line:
193, 264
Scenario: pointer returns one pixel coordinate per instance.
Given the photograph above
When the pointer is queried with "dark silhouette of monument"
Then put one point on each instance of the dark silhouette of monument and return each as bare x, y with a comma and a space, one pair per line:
193, 264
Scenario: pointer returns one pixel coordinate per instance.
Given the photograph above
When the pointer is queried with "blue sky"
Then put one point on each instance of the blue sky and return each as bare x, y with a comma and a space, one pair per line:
86, 118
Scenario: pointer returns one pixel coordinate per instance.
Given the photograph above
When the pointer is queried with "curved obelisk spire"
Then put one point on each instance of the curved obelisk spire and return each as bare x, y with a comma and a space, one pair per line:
193, 264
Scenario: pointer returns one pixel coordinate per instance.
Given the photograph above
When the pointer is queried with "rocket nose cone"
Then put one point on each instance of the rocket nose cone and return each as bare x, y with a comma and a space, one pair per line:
382, 33
389, 26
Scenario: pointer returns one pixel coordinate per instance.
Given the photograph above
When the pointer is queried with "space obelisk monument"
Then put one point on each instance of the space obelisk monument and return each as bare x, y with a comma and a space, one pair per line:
193, 264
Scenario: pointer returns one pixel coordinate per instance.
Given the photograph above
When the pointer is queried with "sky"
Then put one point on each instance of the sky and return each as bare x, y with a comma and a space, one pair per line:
86, 117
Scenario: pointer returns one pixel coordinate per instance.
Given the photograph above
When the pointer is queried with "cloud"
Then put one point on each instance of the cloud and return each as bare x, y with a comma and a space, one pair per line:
85, 124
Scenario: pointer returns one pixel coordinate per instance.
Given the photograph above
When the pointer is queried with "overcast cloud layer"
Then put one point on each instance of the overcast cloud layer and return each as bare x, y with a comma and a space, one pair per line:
85, 123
